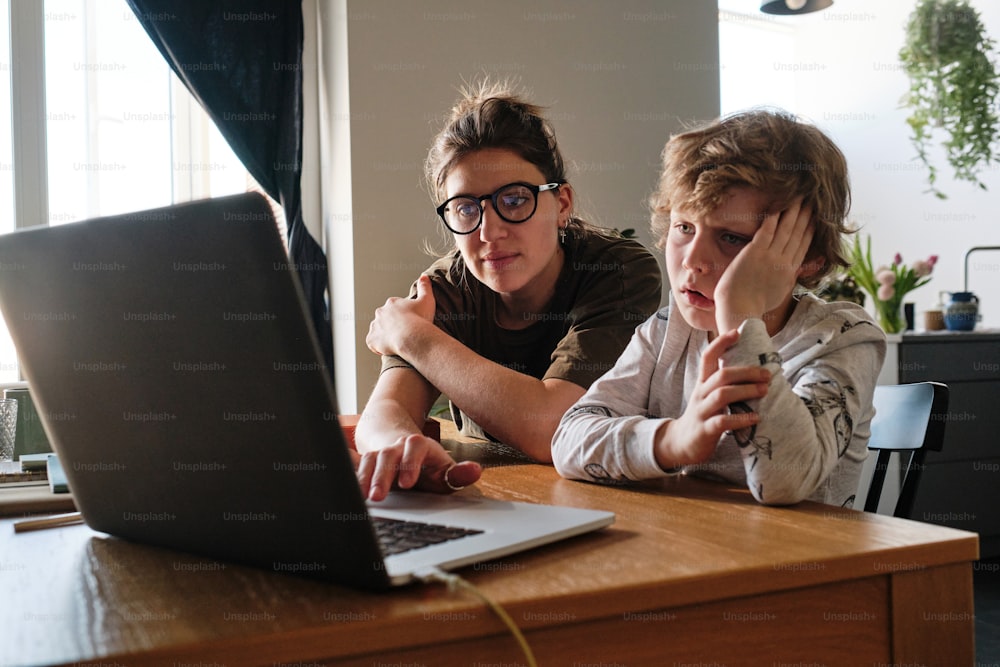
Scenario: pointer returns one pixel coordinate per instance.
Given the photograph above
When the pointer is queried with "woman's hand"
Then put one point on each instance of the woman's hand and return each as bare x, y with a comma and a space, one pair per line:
396, 319
414, 461
693, 437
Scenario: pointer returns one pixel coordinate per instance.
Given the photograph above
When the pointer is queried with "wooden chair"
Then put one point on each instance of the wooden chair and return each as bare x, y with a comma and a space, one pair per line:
909, 420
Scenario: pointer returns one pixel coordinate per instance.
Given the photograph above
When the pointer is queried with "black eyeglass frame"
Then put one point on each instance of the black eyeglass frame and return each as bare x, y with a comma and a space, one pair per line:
534, 189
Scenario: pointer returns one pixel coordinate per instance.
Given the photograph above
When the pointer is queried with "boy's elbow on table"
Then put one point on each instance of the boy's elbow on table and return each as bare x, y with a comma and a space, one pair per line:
779, 495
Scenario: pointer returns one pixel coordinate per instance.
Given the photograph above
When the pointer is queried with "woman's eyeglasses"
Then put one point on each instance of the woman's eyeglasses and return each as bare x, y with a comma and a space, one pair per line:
514, 202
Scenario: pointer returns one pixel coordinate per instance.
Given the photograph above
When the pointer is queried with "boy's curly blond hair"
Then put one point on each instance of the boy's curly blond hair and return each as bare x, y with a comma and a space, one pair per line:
772, 152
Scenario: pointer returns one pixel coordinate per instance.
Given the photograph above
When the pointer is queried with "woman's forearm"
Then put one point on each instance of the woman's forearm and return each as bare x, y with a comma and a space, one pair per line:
397, 408
515, 408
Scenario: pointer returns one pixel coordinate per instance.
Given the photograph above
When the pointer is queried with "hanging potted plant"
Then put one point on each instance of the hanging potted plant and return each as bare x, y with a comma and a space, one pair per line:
953, 87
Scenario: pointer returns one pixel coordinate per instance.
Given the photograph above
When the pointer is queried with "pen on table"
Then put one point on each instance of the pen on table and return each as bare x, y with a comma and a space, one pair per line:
48, 522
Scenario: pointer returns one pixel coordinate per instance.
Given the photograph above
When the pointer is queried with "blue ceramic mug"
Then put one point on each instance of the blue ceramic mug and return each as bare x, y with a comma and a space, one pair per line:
962, 312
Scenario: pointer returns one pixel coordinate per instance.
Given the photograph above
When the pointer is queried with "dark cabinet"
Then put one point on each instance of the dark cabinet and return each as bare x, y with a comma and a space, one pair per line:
961, 484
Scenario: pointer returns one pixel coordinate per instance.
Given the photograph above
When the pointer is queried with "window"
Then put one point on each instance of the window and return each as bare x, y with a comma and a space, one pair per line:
6, 150
8, 359
757, 61
122, 133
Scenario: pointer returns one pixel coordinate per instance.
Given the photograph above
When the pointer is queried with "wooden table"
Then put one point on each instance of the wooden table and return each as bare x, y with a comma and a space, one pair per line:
692, 572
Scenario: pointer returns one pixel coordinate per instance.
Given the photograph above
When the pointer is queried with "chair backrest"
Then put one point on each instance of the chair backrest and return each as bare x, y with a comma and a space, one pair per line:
909, 420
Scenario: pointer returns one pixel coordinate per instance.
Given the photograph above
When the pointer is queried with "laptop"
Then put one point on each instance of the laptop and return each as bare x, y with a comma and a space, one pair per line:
178, 377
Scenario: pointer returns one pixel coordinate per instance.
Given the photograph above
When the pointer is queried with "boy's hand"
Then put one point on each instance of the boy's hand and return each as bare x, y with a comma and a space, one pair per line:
398, 316
762, 276
415, 461
692, 437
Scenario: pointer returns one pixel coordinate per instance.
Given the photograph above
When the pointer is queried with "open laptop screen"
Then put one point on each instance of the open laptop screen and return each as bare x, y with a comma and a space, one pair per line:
184, 387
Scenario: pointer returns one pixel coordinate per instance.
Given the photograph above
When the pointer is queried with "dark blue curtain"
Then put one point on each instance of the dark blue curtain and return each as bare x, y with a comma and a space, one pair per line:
242, 60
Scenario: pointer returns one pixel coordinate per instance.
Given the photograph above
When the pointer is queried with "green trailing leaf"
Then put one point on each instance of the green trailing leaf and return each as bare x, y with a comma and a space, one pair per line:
953, 87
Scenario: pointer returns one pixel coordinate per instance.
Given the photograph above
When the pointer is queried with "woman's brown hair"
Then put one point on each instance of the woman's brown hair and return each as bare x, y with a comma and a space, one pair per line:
494, 115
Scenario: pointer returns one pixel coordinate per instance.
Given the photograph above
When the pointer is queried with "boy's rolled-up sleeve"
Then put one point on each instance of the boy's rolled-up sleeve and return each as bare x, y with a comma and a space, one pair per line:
606, 436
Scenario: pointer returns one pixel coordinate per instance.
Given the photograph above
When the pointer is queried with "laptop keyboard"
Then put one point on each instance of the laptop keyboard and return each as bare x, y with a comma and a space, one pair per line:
397, 536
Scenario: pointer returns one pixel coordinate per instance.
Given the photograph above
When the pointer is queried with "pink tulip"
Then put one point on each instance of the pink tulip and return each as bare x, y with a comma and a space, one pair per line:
932, 260
922, 268
885, 277
898, 259
886, 292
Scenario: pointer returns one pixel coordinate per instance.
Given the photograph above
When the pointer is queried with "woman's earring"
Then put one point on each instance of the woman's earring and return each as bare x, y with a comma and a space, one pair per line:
562, 235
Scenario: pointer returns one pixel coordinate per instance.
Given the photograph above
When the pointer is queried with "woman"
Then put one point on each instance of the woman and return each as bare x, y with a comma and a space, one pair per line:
517, 321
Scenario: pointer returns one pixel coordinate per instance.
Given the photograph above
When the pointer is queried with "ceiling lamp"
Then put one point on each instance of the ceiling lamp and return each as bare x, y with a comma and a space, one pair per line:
793, 6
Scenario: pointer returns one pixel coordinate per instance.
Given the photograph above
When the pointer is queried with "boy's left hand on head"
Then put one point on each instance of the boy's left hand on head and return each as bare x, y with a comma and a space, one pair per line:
762, 276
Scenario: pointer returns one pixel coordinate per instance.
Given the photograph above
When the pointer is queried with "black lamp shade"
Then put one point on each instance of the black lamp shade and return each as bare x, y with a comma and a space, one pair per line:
781, 6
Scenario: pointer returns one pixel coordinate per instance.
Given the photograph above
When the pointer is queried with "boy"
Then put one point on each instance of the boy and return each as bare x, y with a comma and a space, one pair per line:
742, 378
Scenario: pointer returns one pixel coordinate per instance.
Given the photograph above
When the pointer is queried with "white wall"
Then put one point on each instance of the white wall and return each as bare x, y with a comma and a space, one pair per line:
617, 77
846, 78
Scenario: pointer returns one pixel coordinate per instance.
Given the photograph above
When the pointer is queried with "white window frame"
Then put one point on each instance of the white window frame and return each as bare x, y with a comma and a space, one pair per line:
28, 113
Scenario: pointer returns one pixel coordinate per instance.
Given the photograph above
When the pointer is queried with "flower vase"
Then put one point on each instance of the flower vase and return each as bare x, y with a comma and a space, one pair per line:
890, 316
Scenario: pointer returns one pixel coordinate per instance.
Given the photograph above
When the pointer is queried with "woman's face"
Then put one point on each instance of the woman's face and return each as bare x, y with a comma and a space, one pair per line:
520, 261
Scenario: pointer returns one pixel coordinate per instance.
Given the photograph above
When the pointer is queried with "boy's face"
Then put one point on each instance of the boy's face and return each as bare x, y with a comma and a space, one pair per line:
699, 248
